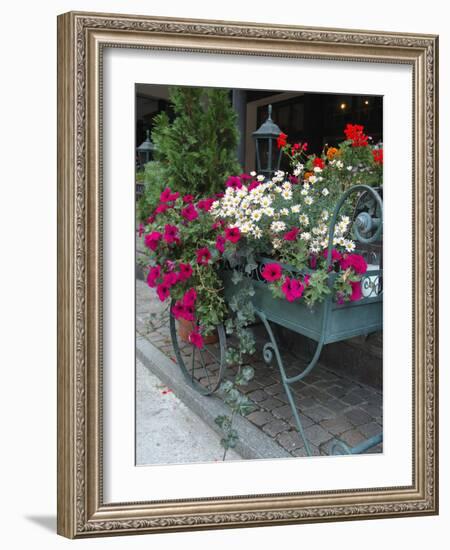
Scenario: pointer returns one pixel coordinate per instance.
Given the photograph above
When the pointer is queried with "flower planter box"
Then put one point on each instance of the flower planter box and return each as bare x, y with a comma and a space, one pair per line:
334, 322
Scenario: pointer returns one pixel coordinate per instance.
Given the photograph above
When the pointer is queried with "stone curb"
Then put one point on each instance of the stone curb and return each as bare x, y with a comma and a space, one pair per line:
252, 444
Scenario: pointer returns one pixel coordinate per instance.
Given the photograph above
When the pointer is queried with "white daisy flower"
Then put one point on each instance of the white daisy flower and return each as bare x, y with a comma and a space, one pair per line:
276, 243
284, 211
295, 209
256, 215
305, 236
286, 194
312, 179
339, 164
303, 219
269, 211
349, 168
325, 215
309, 200
253, 173
276, 227
260, 177
257, 233
265, 202
306, 186
304, 192
349, 246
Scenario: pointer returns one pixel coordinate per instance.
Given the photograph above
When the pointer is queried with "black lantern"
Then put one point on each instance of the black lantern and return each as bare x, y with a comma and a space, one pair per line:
145, 150
268, 156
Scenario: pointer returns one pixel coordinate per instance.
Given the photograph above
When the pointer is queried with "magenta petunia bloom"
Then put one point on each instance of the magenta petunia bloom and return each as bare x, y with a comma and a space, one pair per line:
163, 291
220, 243
234, 182
292, 289
293, 179
141, 230
190, 297
218, 224
188, 198
306, 280
189, 213
151, 240
196, 339
178, 310
188, 313
205, 204
253, 185
272, 272
292, 234
171, 234
232, 234
356, 291
313, 261
336, 256
185, 272
150, 219
153, 274
168, 196
203, 256
170, 279
161, 208
245, 177
355, 261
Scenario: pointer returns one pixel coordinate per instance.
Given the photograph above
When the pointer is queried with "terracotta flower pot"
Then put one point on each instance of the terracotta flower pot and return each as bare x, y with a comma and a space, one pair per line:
186, 327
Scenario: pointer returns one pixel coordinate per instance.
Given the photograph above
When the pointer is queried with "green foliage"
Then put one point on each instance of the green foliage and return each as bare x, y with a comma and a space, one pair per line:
198, 148
154, 177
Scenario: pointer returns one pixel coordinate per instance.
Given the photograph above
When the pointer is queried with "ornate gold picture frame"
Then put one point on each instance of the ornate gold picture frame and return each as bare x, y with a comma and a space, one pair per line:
82, 39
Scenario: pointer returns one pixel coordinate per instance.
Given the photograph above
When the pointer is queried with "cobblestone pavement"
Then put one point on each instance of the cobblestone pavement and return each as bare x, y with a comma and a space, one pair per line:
330, 405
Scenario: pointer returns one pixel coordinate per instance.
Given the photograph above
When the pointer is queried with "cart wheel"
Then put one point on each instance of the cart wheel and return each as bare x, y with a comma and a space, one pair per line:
203, 369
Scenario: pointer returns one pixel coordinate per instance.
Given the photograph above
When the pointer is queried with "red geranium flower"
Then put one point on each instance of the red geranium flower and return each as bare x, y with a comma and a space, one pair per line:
281, 140
232, 234
292, 289
185, 272
292, 234
171, 234
318, 163
189, 213
355, 133
378, 156
163, 291
196, 339
203, 256
151, 240
153, 274
272, 272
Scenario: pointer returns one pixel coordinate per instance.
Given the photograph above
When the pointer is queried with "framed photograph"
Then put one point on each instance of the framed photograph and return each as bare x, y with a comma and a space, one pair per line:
247, 282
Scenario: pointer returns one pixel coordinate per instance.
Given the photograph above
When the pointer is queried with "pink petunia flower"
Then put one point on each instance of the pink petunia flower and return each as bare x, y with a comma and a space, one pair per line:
178, 310
163, 291
161, 208
188, 198
190, 297
313, 261
170, 279
189, 213
220, 243
292, 234
205, 204
171, 234
218, 224
272, 272
168, 196
188, 313
336, 256
185, 272
292, 289
153, 274
253, 185
203, 256
151, 240
232, 234
355, 261
306, 280
234, 182
196, 339
356, 291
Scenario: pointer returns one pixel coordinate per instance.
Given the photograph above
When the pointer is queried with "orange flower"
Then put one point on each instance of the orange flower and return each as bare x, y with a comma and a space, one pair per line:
331, 153
307, 175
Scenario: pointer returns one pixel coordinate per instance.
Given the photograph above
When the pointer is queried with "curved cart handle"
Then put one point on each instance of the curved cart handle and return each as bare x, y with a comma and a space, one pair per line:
362, 222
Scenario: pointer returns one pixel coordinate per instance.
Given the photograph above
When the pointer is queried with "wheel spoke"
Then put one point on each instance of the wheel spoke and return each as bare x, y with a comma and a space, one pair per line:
205, 369
212, 355
193, 362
